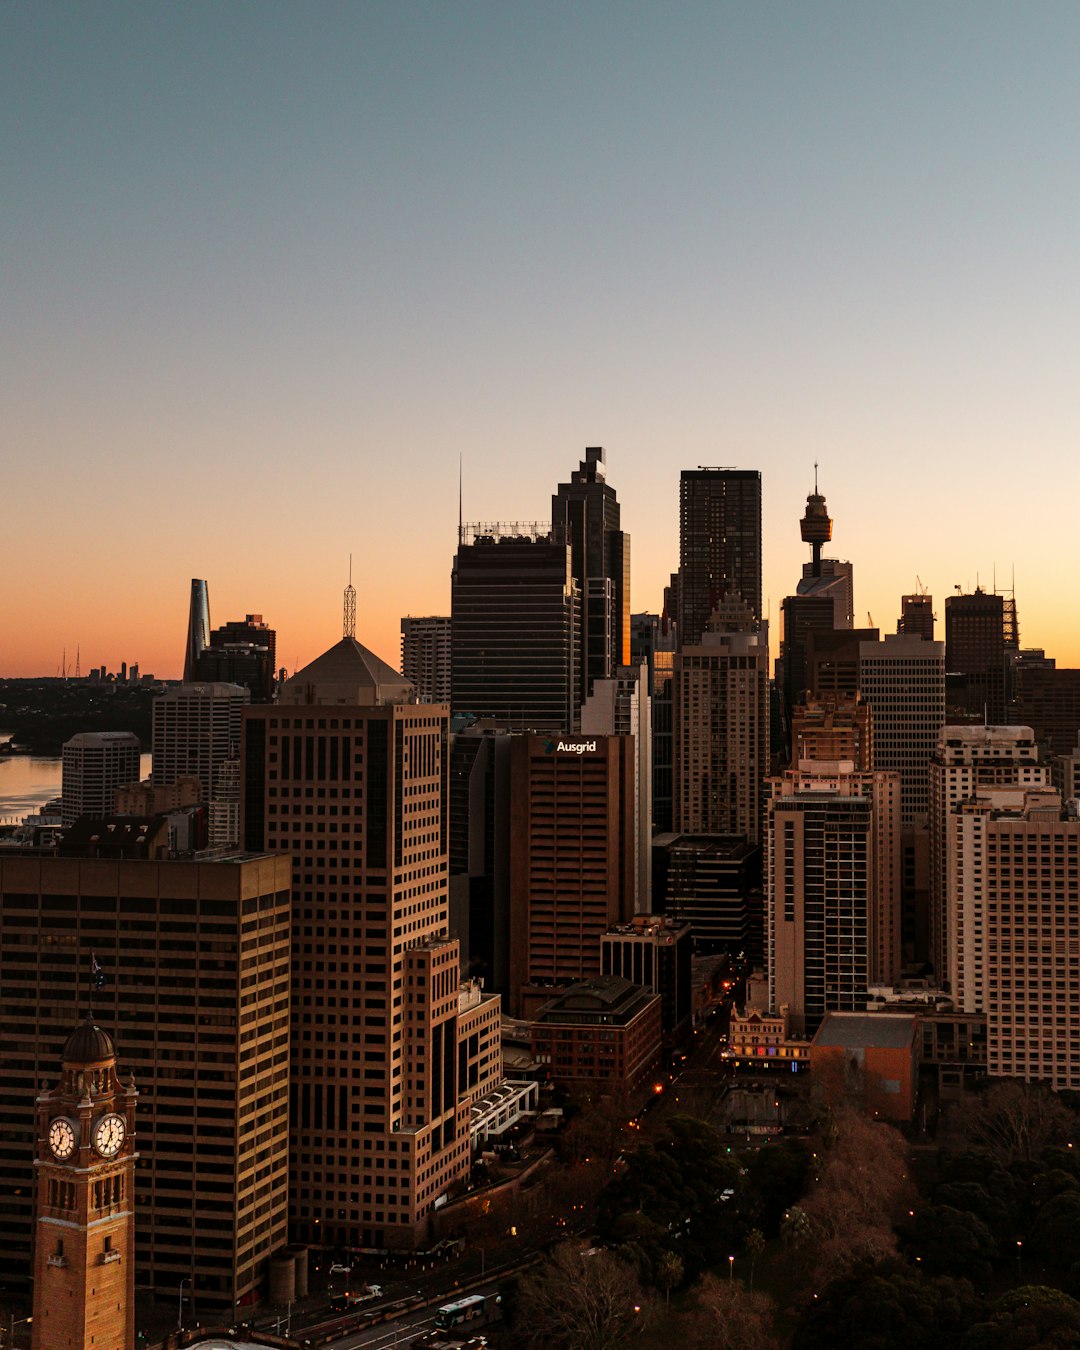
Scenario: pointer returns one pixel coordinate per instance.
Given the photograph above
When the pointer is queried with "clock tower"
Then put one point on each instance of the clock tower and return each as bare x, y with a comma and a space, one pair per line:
84, 1256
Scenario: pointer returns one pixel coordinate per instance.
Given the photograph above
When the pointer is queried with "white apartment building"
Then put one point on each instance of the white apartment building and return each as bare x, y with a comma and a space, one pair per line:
1013, 878
966, 760
94, 764
196, 730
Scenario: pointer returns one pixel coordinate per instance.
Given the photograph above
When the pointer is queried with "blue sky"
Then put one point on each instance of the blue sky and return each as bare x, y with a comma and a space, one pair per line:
270, 269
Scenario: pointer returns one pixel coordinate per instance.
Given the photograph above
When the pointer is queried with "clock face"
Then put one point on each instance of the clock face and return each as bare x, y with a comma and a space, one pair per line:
61, 1138
109, 1135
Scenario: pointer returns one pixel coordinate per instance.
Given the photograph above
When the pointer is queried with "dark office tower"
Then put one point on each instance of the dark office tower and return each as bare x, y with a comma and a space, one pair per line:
1048, 701
975, 650
585, 515
241, 652
515, 628
198, 633
196, 957
479, 802
713, 883
656, 953
832, 659
916, 616
719, 544
805, 617
348, 775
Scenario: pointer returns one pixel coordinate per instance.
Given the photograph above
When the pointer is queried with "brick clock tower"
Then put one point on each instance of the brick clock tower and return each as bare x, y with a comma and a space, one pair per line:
84, 1260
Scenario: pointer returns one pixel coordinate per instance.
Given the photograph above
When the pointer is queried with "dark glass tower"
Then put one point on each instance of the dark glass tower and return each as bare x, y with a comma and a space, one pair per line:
198, 633
242, 652
585, 515
515, 630
719, 544
975, 651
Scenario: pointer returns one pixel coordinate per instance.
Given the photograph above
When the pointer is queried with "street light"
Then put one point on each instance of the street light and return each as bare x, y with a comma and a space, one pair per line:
731, 1269
1019, 1264
180, 1313
17, 1322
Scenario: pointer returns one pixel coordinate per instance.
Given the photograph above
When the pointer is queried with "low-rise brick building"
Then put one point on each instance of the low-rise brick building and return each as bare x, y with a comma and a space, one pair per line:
882, 1049
605, 1032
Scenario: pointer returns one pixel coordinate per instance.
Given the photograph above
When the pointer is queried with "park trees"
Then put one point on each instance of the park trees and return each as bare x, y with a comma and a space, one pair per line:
1013, 1120
579, 1301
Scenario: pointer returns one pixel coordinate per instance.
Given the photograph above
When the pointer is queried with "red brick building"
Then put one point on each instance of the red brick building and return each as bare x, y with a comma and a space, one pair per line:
604, 1031
876, 1053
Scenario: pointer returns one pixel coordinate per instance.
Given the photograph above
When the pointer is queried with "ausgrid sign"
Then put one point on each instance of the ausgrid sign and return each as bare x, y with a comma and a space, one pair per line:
575, 747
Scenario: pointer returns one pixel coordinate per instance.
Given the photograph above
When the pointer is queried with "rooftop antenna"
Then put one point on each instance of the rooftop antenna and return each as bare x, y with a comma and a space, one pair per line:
349, 624
78, 662
460, 514
815, 475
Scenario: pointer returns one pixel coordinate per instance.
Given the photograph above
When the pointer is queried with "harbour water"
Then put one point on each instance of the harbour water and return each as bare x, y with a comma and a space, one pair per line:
28, 782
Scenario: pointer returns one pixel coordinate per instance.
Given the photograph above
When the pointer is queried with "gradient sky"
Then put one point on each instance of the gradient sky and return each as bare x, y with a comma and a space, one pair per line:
269, 269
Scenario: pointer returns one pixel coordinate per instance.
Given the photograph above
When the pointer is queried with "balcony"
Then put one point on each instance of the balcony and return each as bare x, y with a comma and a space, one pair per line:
57, 1260
106, 1257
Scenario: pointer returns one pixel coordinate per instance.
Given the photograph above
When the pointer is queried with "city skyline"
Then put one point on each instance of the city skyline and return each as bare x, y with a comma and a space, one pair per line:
260, 263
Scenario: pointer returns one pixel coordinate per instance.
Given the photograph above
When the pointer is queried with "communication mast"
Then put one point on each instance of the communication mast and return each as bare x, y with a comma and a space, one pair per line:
349, 623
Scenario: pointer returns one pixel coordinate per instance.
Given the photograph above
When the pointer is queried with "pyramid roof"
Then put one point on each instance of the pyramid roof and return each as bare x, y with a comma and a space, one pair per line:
347, 674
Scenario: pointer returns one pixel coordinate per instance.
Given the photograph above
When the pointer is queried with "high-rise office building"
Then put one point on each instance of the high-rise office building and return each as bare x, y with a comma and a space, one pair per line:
196, 731
805, 617
388, 1049
243, 651
194, 961
719, 544
722, 726
916, 616
713, 883
837, 580
95, 765
425, 656
515, 637
571, 858
479, 814
832, 889
1048, 700
975, 650
657, 954
84, 1257
198, 633
585, 515
1013, 863
832, 659
903, 680
621, 706
966, 761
